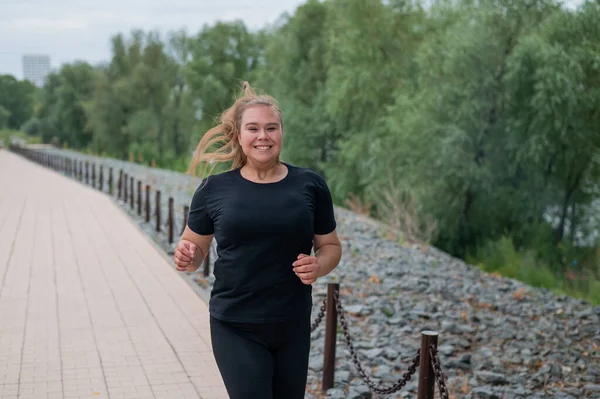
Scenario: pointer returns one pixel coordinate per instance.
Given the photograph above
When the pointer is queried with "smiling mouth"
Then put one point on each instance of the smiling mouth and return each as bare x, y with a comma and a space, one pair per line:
263, 147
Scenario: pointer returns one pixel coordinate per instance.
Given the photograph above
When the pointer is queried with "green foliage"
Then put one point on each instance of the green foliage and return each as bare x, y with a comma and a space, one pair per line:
6, 135
534, 268
16, 101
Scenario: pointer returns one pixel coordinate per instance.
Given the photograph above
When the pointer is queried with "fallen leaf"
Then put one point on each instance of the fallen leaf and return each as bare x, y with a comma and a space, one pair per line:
374, 279
518, 295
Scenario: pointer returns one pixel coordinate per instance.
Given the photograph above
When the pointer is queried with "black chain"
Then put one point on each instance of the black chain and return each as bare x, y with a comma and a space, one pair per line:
437, 372
319, 316
412, 368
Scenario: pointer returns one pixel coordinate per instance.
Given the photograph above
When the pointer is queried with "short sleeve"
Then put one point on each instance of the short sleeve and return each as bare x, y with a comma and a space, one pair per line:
199, 220
324, 222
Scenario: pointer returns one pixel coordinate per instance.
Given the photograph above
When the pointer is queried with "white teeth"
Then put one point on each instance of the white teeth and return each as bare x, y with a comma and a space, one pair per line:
263, 147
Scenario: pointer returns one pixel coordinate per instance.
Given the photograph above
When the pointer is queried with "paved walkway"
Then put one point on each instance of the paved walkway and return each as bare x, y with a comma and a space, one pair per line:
88, 307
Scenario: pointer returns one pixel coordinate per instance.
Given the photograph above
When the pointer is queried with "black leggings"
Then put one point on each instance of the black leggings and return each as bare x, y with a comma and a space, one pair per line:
262, 361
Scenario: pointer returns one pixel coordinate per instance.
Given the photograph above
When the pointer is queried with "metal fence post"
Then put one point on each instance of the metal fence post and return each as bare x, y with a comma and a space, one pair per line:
120, 184
426, 376
125, 188
330, 337
131, 193
139, 197
147, 203
170, 220
158, 210
206, 264
110, 181
186, 211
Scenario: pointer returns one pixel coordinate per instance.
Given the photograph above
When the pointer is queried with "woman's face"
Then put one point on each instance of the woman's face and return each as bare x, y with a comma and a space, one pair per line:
260, 134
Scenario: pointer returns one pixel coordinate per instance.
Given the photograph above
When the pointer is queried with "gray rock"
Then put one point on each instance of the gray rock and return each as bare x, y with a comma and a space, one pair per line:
382, 372
372, 353
447, 350
359, 391
491, 378
336, 393
352, 394
485, 393
315, 363
591, 387
342, 377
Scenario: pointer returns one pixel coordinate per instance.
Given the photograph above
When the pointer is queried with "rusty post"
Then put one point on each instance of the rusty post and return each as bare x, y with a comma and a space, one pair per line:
120, 184
87, 172
170, 221
125, 187
101, 179
81, 171
426, 376
110, 181
186, 211
131, 193
147, 203
139, 197
157, 210
94, 175
206, 263
330, 337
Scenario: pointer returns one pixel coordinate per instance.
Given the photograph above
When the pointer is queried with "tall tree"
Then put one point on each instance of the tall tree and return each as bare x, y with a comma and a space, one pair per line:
17, 98
222, 56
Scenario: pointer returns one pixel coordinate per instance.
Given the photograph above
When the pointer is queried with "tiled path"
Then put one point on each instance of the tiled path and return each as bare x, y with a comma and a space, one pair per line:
88, 307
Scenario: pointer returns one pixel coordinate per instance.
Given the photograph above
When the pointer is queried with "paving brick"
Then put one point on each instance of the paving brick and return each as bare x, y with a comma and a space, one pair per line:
88, 307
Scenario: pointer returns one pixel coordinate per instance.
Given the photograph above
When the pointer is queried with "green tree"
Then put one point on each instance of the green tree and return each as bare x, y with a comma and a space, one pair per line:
294, 70
221, 56
17, 98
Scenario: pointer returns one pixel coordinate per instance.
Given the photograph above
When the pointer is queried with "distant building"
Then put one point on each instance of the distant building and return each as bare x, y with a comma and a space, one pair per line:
36, 68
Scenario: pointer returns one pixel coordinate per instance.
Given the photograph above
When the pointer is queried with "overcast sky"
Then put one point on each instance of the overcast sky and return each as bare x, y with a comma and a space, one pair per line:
68, 30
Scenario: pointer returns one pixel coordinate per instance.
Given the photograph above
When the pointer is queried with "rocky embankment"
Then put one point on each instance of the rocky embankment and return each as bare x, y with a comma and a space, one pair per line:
498, 337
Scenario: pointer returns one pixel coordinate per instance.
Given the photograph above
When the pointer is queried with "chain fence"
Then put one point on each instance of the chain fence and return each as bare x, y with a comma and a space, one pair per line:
319, 317
440, 379
435, 363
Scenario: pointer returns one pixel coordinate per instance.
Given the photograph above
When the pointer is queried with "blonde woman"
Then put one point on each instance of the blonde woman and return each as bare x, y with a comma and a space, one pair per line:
267, 217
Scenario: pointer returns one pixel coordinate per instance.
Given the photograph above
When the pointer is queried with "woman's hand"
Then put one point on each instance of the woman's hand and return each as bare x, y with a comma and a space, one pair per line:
306, 268
184, 255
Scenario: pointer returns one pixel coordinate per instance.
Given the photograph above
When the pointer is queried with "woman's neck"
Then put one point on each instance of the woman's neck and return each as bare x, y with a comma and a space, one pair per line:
264, 173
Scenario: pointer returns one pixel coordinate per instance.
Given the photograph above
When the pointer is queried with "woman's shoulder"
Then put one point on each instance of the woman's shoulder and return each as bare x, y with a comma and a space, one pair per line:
307, 173
216, 180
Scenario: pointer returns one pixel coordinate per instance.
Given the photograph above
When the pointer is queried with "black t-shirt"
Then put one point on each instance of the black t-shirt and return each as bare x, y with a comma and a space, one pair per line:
260, 229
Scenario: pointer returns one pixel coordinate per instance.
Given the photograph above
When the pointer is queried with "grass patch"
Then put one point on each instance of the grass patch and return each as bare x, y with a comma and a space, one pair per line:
527, 266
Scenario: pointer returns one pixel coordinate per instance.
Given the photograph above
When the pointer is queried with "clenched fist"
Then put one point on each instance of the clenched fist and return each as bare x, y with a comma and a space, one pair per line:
306, 268
184, 255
